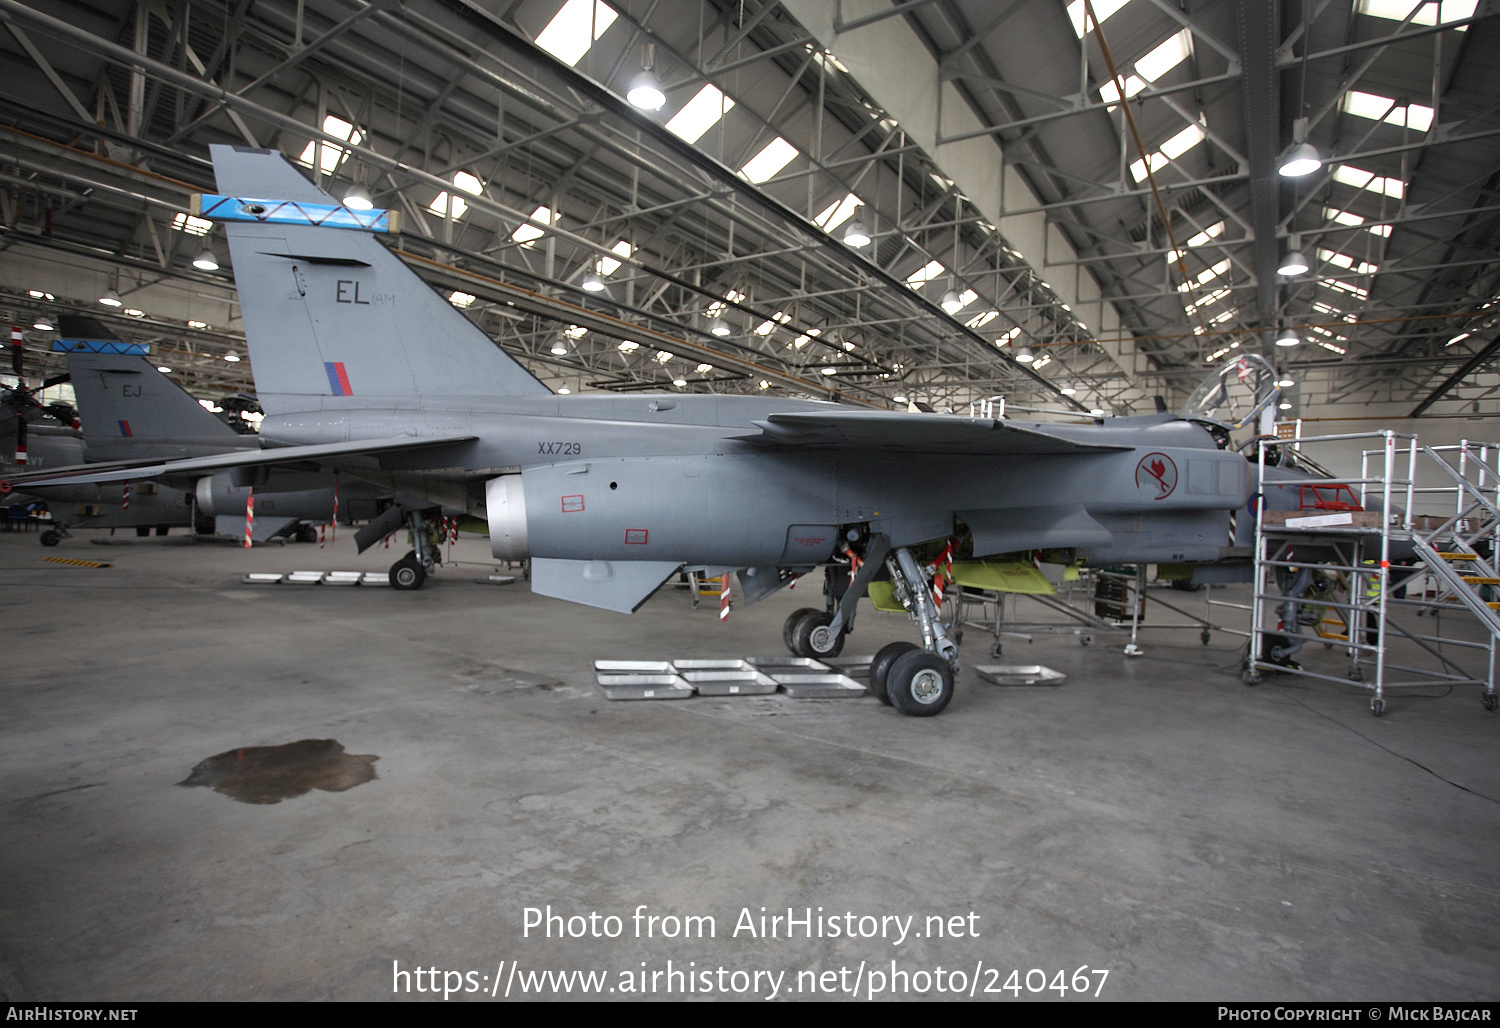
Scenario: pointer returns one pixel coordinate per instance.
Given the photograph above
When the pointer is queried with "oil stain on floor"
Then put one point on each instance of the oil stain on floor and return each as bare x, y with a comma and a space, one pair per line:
270, 774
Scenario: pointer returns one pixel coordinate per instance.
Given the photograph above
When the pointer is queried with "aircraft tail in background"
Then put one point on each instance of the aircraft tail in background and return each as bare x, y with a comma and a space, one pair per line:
329, 311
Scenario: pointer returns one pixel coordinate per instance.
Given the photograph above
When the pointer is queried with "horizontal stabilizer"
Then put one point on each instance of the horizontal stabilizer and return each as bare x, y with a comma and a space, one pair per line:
330, 454
1009, 529
619, 585
904, 432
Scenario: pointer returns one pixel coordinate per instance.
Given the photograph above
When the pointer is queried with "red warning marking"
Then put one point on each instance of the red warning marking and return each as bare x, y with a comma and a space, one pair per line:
4, 487
635, 536
1159, 471
572, 504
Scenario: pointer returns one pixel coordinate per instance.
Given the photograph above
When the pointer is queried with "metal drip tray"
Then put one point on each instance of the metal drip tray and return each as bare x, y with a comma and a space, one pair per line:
746, 682
1019, 674
813, 686
644, 687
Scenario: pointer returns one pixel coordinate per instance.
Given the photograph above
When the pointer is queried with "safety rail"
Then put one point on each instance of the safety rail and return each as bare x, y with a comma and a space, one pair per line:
1363, 558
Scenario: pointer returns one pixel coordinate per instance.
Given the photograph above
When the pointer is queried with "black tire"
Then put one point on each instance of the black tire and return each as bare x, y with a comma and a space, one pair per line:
51, 537
1186, 585
141, 531
920, 684
163, 529
812, 638
407, 573
880, 667
307, 534
789, 627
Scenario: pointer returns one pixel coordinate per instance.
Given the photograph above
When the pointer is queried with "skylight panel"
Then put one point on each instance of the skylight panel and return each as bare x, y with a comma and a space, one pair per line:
1212, 232
1165, 57
838, 212
576, 332
1430, 14
982, 319
461, 180
626, 346
1379, 108
567, 36
1345, 287
922, 276
1103, 9
1009, 337
461, 299
608, 265
330, 156
967, 297
804, 338
1172, 149
528, 234
765, 327
1208, 275
1361, 179
1204, 301
1340, 260
776, 154
1110, 92
702, 112
191, 225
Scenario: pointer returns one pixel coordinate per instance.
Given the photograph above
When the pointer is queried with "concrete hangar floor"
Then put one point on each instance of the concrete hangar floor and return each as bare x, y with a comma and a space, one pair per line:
1152, 817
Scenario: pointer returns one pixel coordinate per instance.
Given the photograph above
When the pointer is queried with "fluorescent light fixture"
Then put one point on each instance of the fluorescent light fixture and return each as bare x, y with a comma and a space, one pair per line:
1068, 391
1165, 57
232, 357
568, 37
563, 390
135, 312
830, 371
679, 381
704, 369
626, 346
592, 283
720, 327
197, 324
528, 234
1288, 337
358, 199
1097, 412
576, 332
898, 399
1024, 355
1102, 10
1285, 383
1285, 405
42, 324
164, 369
1302, 159
1458, 338
856, 235
1293, 264
700, 114
774, 156
559, 348
646, 92
206, 261
662, 356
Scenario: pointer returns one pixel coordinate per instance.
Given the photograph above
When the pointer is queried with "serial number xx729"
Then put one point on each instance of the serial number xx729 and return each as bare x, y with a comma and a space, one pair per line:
560, 449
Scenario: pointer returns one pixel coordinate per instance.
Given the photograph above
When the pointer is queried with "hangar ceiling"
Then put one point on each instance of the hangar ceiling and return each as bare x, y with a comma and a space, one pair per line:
1126, 250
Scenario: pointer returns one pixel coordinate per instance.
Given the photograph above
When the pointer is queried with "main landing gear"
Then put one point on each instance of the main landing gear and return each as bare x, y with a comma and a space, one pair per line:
412, 570
917, 681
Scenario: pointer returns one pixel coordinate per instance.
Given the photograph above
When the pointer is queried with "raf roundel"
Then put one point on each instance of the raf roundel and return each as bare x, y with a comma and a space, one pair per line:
1158, 473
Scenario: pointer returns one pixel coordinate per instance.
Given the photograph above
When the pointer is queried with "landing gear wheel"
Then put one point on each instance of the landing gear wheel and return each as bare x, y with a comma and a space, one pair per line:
880, 667
1377, 707
920, 684
51, 537
407, 573
1490, 701
789, 627
811, 638
307, 534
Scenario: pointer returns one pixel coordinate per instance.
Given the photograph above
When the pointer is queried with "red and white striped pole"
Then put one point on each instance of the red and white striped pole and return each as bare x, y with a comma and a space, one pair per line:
724, 596
249, 517
334, 526
17, 344
125, 497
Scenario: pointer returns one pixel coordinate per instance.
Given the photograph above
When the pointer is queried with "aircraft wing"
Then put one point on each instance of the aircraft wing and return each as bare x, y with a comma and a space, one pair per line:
897, 431
322, 453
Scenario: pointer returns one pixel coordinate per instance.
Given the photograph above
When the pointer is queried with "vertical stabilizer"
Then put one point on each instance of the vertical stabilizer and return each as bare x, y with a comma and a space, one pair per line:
129, 409
328, 310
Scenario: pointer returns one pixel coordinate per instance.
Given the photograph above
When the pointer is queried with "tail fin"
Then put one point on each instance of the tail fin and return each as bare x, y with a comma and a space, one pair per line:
129, 409
328, 310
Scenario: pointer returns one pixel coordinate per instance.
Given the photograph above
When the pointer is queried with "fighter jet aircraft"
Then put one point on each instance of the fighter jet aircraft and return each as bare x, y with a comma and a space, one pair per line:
362, 367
